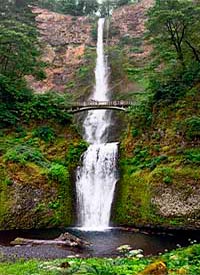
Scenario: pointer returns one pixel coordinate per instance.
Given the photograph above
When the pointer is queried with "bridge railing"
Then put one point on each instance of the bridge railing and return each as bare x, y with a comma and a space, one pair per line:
102, 103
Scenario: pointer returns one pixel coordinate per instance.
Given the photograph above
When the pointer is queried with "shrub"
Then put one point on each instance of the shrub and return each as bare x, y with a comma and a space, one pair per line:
74, 152
152, 163
142, 159
45, 133
141, 114
192, 156
13, 94
174, 82
164, 173
58, 172
192, 127
48, 106
24, 153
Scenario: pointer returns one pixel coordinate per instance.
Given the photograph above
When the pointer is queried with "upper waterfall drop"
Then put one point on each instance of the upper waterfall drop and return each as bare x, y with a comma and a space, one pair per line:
97, 122
96, 178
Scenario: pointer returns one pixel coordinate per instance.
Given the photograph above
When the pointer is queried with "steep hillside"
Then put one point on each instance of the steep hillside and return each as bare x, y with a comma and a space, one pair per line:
36, 176
65, 42
160, 174
160, 151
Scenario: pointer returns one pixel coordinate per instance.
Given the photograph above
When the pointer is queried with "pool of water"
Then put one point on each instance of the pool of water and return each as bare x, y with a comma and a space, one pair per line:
103, 244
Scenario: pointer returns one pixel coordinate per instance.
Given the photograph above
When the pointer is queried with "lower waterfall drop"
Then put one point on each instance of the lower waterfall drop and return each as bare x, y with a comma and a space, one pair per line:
97, 176
96, 185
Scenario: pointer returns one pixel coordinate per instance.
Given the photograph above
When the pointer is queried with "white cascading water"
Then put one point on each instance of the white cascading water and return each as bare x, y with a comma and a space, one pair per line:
96, 178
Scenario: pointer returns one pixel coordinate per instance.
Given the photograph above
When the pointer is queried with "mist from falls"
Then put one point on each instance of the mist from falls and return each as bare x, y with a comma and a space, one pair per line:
97, 176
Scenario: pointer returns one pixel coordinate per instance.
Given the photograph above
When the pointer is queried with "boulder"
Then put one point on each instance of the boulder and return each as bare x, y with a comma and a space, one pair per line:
157, 268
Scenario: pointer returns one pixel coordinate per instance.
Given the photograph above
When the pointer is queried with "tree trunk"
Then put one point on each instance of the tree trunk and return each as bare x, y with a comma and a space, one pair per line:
65, 239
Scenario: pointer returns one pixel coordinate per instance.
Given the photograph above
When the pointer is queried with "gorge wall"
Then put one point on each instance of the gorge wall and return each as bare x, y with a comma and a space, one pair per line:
65, 40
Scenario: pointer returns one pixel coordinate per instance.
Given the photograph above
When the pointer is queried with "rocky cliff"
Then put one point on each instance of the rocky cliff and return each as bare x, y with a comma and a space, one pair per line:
128, 24
64, 39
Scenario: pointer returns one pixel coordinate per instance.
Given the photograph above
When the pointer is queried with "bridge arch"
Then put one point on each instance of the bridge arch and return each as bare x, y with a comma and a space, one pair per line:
100, 105
90, 108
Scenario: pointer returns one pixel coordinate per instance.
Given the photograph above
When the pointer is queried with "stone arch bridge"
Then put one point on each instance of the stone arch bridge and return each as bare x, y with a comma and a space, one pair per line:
119, 105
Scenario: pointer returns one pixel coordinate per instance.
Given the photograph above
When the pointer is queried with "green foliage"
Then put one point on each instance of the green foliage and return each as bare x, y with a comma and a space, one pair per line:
94, 31
51, 105
184, 261
19, 56
13, 94
174, 82
58, 172
192, 127
45, 133
142, 159
107, 6
19, 10
74, 153
18, 49
173, 25
23, 154
166, 174
73, 7
22, 105
180, 261
140, 114
133, 41
117, 58
172, 29
54, 204
192, 156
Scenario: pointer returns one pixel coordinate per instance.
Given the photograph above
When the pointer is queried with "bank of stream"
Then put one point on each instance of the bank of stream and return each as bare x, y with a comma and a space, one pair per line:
103, 244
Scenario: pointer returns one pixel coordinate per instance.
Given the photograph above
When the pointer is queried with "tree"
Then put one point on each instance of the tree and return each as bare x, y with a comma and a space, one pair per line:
174, 25
68, 7
18, 10
122, 2
72, 7
18, 49
174, 31
91, 7
19, 56
106, 8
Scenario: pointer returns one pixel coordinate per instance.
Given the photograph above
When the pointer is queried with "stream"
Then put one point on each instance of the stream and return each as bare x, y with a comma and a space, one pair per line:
103, 244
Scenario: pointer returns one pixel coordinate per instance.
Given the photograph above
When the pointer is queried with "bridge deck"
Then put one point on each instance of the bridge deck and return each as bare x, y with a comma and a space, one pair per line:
116, 103
95, 105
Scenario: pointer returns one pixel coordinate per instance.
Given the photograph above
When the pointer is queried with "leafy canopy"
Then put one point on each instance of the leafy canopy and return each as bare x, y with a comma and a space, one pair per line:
173, 30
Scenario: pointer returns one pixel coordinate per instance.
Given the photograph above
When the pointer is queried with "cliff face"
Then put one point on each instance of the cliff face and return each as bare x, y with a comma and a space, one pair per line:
64, 39
128, 23
69, 48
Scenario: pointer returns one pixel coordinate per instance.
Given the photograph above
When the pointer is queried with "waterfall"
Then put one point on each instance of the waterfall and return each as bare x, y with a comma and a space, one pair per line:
97, 176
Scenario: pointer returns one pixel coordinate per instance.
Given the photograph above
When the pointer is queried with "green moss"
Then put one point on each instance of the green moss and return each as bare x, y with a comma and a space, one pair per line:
133, 202
39, 165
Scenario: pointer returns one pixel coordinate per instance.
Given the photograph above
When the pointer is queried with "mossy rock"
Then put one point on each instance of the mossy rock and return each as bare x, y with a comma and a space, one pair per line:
157, 268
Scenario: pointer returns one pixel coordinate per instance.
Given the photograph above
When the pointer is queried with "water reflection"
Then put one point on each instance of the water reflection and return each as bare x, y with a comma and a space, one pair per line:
104, 243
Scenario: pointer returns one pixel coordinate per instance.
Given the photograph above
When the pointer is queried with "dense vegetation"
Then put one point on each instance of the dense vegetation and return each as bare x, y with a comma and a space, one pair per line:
19, 56
81, 7
160, 151
39, 145
180, 261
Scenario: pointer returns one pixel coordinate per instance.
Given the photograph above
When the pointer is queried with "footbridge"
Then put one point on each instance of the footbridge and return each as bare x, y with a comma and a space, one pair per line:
119, 105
